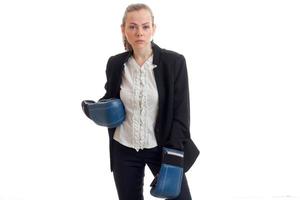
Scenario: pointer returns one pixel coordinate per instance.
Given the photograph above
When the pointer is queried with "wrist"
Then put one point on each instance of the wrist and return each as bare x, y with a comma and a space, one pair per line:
172, 157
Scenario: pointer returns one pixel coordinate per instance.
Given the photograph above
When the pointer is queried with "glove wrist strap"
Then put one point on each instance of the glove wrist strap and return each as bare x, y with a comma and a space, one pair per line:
172, 158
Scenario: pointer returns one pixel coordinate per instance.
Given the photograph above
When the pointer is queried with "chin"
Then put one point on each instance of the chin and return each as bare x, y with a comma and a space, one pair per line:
141, 46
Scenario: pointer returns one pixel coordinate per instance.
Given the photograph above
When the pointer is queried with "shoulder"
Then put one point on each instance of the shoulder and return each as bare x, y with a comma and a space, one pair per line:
116, 61
174, 63
169, 54
119, 58
173, 60
166, 55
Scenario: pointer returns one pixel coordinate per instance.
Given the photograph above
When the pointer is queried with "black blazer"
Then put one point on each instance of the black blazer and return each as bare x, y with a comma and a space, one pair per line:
172, 127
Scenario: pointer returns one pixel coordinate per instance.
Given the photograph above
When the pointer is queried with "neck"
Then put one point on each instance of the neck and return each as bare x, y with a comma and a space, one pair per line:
141, 55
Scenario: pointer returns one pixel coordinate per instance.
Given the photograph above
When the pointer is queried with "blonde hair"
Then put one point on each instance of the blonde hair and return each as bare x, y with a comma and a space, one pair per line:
131, 8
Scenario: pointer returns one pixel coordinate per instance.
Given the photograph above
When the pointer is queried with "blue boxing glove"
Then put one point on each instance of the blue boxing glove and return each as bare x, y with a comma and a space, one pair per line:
84, 106
167, 183
106, 112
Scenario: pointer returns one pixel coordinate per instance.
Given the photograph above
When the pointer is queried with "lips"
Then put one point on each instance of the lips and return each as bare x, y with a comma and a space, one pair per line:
139, 41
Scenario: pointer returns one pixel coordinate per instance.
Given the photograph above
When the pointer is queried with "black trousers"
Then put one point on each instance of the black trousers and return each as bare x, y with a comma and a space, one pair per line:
129, 171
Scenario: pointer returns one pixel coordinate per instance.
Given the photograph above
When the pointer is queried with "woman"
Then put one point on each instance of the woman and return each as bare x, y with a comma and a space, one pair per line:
153, 86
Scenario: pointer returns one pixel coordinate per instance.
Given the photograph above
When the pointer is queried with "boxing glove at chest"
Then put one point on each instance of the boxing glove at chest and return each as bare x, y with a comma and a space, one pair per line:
107, 112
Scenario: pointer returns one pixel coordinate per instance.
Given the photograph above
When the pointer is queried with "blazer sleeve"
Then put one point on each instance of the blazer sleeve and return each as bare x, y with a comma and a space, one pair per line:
180, 130
107, 85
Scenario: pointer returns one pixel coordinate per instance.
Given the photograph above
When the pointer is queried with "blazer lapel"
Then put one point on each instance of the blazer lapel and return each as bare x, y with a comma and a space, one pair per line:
119, 72
159, 82
157, 71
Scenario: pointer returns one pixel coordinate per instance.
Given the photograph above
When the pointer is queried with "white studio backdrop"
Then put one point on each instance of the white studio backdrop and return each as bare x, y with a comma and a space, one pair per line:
243, 62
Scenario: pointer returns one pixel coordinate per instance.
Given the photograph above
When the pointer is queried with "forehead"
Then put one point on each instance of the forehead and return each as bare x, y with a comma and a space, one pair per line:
139, 17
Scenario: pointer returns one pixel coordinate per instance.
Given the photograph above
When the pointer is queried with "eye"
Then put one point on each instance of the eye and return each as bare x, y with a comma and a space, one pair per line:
146, 27
131, 27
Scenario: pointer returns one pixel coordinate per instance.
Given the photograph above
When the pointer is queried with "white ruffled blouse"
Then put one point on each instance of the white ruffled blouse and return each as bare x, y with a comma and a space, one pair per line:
140, 98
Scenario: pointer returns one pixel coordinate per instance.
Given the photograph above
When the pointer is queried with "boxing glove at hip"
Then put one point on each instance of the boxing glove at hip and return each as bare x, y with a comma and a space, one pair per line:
167, 183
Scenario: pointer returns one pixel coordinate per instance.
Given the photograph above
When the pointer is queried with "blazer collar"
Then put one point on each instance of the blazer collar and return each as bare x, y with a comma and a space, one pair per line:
158, 78
156, 54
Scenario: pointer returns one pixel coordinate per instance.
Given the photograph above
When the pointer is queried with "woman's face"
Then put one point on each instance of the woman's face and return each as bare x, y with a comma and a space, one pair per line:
138, 29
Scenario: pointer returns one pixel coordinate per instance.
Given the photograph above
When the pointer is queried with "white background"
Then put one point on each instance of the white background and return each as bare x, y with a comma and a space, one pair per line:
243, 62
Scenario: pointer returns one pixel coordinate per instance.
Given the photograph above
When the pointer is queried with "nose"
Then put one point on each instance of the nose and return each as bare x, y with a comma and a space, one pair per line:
139, 31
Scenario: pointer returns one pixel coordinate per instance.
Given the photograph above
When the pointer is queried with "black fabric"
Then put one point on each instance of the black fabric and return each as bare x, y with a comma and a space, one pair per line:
153, 183
191, 152
172, 127
129, 171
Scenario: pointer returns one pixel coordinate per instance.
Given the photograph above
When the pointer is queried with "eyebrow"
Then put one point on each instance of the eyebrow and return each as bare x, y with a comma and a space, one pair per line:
142, 24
